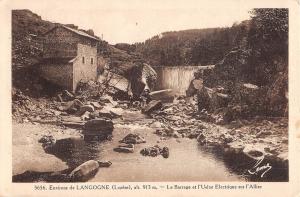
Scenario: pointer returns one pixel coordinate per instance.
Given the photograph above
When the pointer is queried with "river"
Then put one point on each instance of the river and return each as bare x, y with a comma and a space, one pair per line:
187, 162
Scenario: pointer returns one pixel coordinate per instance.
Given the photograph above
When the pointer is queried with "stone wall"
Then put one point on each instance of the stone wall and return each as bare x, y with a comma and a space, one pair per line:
60, 74
59, 43
87, 70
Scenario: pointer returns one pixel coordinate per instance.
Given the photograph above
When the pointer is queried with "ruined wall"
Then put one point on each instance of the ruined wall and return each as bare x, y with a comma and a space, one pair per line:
101, 62
60, 74
87, 70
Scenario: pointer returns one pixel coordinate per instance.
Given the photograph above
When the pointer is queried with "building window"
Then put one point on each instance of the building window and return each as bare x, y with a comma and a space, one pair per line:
92, 61
83, 60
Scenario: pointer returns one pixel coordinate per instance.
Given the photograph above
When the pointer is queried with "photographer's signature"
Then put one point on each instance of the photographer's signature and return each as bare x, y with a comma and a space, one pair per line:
257, 168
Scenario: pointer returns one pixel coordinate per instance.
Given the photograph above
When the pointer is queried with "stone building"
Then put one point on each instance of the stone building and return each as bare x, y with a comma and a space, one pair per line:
69, 56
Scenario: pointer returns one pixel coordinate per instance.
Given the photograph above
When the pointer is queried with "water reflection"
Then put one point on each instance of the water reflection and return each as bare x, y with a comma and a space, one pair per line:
75, 150
240, 164
188, 161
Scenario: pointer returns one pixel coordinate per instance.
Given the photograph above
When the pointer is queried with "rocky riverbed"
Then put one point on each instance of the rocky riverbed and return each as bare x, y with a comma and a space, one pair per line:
253, 149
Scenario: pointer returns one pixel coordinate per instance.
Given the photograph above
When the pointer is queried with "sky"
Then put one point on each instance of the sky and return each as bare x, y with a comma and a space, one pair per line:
133, 21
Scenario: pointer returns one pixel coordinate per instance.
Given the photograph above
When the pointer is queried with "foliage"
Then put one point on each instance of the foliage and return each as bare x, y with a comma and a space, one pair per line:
192, 47
268, 41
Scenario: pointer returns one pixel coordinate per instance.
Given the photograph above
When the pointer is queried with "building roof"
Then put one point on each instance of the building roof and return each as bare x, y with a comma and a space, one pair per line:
78, 32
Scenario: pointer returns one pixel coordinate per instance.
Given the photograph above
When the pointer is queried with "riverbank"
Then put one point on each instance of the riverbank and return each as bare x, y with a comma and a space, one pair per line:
28, 154
256, 142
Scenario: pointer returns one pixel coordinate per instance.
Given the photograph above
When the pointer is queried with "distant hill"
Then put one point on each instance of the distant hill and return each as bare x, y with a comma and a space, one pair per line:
190, 47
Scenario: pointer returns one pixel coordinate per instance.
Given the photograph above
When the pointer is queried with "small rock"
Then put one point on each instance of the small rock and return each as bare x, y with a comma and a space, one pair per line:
71, 106
67, 96
156, 124
263, 133
105, 113
96, 105
226, 138
236, 147
176, 134
165, 152
285, 141
253, 152
152, 106
47, 139
271, 150
133, 139
104, 164
85, 116
86, 108
127, 148
201, 137
193, 135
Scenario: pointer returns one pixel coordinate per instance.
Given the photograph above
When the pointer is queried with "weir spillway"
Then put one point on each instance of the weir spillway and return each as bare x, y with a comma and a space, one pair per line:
176, 78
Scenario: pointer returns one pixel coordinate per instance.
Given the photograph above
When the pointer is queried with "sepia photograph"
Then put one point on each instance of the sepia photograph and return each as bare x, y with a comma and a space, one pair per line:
149, 95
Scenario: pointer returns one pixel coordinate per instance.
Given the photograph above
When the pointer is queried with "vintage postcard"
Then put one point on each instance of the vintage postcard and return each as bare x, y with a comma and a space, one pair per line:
179, 98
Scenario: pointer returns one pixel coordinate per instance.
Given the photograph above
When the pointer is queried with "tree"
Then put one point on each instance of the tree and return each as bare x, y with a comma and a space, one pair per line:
268, 41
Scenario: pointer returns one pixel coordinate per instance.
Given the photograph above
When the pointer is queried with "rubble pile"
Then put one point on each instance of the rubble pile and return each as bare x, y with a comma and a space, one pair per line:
156, 150
177, 120
25, 109
181, 119
89, 90
65, 108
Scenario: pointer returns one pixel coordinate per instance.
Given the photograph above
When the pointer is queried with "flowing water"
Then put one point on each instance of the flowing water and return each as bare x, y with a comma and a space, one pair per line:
175, 78
187, 160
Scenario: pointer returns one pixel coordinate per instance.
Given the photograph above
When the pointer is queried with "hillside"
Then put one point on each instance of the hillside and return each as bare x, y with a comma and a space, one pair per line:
254, 51
27, 29
191, 47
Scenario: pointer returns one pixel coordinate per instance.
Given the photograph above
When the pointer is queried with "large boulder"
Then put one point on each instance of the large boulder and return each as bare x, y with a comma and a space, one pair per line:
98, 127
195, 85
210, 99
85, 171
203, 99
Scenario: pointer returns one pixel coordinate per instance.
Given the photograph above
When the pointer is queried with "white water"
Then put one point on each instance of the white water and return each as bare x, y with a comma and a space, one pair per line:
176, 78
